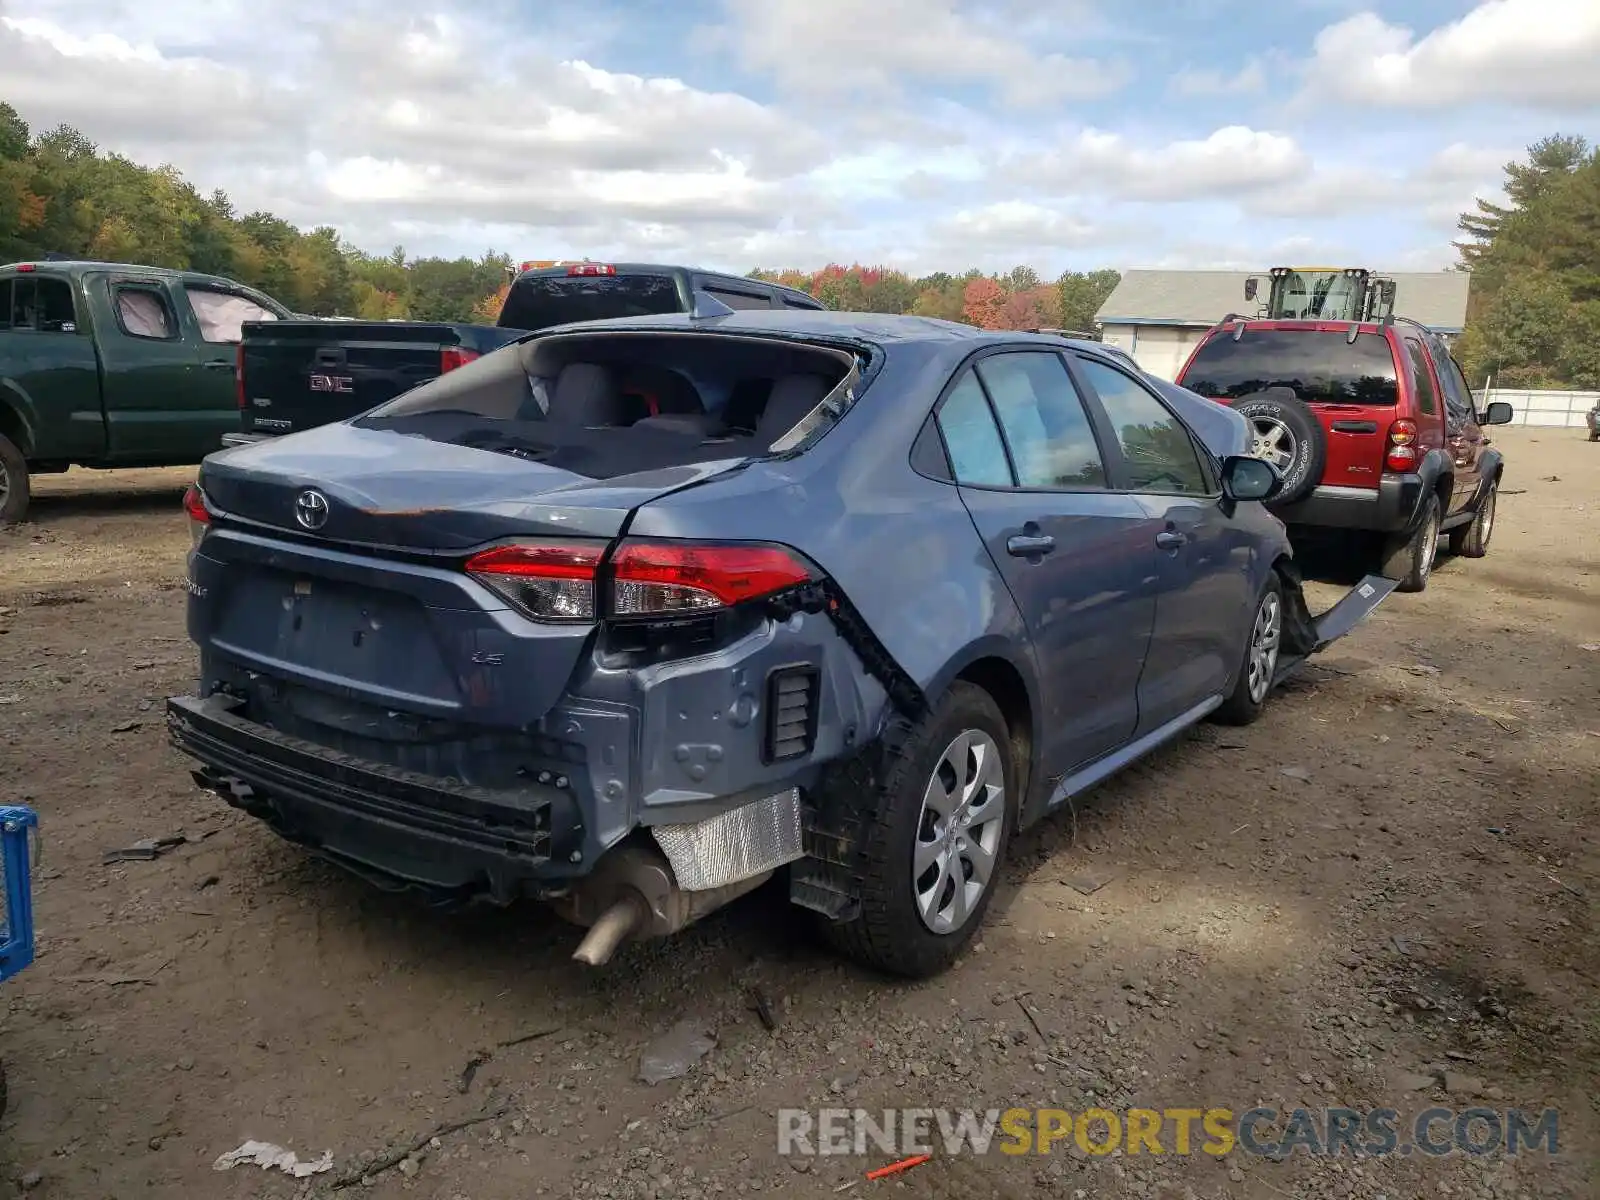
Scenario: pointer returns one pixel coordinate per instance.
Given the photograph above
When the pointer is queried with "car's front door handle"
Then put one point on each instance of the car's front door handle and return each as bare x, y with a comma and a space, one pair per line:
220, 364
1171, 539
1022, 545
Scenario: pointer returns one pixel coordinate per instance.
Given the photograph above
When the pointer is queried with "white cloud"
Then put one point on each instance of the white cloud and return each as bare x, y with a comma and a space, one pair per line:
836, 47
1542, 53
1247, 80
1231, 161
1435, 192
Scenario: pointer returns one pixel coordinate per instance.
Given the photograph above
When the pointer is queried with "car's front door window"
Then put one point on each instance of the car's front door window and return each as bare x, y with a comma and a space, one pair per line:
1157, 451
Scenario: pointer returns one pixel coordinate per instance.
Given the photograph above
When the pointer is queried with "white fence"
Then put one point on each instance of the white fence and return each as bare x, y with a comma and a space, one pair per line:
1556, 409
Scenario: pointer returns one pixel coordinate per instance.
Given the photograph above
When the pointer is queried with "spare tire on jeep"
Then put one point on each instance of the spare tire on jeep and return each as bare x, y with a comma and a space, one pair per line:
1286, 434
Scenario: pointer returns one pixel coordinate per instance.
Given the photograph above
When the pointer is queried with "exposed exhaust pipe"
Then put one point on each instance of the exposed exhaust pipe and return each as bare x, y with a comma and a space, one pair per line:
632, 894
611, 929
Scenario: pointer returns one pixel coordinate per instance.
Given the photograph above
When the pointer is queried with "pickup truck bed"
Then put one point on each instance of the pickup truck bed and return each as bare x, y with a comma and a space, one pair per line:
295, 375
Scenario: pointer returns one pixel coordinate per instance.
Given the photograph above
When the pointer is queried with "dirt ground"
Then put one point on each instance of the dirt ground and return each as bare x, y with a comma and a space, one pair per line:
1392, 874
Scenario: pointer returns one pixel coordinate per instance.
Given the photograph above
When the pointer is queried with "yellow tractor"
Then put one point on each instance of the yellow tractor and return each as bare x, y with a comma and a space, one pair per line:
1323, 294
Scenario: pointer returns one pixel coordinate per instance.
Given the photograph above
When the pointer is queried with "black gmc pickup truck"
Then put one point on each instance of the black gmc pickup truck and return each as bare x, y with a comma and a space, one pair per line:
296, 375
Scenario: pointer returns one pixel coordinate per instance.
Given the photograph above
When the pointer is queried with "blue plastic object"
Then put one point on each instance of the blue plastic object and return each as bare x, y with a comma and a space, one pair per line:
16, 923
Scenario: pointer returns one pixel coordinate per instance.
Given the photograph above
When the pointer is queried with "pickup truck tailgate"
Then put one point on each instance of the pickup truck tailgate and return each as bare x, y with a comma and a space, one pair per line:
301, 374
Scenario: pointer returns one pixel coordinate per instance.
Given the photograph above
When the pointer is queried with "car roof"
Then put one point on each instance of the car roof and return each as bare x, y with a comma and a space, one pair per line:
876, 329
76, 268
634, 268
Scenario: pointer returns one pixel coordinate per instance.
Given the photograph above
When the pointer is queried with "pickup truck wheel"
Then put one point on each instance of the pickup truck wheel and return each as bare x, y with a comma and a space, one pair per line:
1472, 540
932, 854
13, 483
1410, 561
1285, 433
1260, 664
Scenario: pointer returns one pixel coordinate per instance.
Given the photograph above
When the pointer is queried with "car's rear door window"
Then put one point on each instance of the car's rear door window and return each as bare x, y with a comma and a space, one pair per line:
1158, 452
1421, 378
540, 301
1318, 366
977, 455
1045, 423
143, 312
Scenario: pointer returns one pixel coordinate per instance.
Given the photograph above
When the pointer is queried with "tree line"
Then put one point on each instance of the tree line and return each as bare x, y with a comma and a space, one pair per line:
1533, 318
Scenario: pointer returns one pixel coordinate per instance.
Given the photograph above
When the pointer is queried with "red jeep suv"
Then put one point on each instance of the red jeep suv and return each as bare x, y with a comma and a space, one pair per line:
1373, 427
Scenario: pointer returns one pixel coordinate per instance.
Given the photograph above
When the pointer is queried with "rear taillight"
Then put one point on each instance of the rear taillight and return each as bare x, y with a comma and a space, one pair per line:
1402, 454
452, 357
669, 578
563, 581
194, 507
238, 376
548, 581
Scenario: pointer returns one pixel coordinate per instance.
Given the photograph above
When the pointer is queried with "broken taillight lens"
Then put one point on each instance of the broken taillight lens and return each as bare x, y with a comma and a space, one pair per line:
194, 507
673, 578
451, 357
548, 581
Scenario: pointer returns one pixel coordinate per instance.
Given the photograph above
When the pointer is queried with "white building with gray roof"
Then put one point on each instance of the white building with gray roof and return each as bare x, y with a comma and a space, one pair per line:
1158, 316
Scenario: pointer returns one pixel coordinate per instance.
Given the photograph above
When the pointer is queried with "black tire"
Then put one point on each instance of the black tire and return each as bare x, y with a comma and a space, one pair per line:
1309, 452
1594, 435
890, 933
1410, 560
1247, 700
1472, 539
13, 483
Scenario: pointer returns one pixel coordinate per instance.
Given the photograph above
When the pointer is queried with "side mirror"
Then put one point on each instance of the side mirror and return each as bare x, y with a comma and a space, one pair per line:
1245, 478
1252, 285
1498, 413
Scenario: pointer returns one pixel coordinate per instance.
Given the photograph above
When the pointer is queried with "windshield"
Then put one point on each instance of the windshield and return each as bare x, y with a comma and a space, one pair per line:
1317, 295
540, 301
1319, 367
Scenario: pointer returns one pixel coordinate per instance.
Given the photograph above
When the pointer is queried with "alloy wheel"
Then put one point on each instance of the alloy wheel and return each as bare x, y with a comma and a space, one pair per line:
1273, 442
958, 832
1265, 637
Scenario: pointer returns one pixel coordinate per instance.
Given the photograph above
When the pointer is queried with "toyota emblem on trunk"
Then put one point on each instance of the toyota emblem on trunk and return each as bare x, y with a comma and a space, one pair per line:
311, 509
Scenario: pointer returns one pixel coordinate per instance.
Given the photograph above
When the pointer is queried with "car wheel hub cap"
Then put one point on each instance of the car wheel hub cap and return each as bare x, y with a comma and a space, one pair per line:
958, 832
1272, 442
1483, 540
1430, 547
1265, 636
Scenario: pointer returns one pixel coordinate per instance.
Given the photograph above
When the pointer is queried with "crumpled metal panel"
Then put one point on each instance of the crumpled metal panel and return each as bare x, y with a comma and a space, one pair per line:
734, 845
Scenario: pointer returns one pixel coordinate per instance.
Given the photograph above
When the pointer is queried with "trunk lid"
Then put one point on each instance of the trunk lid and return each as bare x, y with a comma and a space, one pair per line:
339, 638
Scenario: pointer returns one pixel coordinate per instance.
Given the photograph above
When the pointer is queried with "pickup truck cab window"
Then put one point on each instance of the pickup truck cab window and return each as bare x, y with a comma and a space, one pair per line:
41, 305
738, 300
220, 314
144, 312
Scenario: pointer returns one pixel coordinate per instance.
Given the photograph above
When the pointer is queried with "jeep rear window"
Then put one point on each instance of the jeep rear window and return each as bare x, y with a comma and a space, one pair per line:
540, 301
1321, 367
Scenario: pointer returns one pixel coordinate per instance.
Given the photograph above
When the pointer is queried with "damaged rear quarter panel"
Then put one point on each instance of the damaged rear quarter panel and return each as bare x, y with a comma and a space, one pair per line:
900, 547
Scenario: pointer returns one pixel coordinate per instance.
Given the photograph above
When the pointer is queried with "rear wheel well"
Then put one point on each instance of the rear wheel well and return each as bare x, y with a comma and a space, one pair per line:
1004, 684
12, 428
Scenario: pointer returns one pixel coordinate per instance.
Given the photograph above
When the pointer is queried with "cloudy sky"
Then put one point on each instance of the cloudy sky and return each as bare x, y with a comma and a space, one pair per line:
925, 134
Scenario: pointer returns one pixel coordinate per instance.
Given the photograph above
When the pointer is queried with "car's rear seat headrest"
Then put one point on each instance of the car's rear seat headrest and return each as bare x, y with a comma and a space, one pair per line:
586, 394
793, 396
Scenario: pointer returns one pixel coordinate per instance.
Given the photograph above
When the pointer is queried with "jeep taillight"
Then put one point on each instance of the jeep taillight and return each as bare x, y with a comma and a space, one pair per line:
569, 580
1402, 455
238, 376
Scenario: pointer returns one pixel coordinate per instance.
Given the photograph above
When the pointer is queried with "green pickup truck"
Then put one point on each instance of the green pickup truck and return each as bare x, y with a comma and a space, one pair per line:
108, 365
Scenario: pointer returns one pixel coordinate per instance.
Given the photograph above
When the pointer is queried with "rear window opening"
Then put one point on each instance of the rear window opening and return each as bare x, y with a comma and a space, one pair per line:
604, 405
541, 301
1319, 366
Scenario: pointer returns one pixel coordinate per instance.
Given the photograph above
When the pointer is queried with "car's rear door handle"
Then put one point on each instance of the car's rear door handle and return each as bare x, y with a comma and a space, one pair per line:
1171, 539
1024, 544
220, 364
